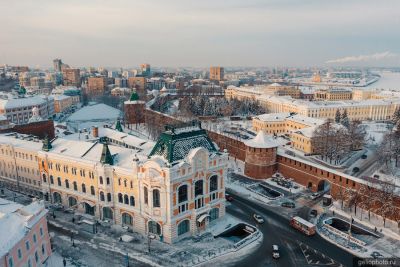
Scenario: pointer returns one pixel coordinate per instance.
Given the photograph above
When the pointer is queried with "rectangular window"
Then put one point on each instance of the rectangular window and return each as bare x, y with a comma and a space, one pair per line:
19, 253
34, 238
27, 246
41, 231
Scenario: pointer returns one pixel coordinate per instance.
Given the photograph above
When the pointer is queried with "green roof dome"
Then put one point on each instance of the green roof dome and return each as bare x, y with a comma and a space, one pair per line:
134, 97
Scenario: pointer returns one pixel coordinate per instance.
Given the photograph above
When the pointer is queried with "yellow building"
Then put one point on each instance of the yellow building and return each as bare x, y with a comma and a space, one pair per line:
333, 94
170, 189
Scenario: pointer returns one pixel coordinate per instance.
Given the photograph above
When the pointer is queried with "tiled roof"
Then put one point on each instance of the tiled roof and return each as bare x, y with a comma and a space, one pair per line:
175, 144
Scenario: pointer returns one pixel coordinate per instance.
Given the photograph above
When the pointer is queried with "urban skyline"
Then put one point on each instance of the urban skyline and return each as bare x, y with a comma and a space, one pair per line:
176, 34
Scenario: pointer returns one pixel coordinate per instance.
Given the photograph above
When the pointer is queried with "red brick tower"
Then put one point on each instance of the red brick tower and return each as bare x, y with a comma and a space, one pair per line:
260, 159
134, 110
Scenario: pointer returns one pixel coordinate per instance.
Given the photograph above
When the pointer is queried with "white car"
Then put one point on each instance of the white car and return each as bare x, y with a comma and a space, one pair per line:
258, 218
275, 252
315, 195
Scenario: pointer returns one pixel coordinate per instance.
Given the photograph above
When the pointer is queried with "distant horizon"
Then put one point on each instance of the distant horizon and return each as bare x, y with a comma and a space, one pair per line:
201, 33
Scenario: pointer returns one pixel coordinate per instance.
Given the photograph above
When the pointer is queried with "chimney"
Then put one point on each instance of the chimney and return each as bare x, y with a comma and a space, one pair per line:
95, 131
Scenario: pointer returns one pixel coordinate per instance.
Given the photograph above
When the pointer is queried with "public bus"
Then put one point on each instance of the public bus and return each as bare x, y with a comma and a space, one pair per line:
302, 225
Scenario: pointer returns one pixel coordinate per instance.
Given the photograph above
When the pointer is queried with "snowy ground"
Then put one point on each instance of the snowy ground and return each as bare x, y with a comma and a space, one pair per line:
388, 245
105, 249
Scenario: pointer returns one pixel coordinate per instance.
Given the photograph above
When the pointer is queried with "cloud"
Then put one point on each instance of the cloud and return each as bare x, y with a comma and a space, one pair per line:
364, 58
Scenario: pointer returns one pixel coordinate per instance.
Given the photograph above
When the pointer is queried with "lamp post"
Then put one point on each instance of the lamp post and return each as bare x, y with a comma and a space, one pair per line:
149, 238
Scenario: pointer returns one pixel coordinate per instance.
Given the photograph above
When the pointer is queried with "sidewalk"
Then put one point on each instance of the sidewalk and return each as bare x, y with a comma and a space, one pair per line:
190, 251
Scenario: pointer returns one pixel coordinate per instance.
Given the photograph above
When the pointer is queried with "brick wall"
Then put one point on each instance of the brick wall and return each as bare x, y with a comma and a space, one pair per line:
39, 129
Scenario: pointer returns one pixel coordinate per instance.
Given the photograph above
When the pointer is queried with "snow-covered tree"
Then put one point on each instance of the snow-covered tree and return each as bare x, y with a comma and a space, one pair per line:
385, 200
344, 120
337, 116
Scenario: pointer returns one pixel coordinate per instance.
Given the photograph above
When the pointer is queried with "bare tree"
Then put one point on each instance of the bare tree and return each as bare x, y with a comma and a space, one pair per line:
352, 198
368, 198
386, 207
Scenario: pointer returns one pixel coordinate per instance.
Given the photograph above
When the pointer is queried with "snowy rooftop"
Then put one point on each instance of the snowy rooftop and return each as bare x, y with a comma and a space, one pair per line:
21, 140
123, 139
280, 117
261, 141
95, 112
22, 101
16, 220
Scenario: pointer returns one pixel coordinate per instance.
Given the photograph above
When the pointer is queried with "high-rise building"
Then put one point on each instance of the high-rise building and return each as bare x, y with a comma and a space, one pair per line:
145, 69
96, 85
57, 64
216, 73
138, 83
71, 77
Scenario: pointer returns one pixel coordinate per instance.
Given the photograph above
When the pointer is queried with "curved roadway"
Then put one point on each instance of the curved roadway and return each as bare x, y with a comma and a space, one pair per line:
296, 248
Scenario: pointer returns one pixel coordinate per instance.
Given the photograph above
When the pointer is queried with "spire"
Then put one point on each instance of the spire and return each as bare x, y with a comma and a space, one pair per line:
106, 157
134, 96
118, 126
46, 144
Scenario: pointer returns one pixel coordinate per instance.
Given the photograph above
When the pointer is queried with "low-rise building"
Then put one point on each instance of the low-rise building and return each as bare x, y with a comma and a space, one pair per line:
24, 238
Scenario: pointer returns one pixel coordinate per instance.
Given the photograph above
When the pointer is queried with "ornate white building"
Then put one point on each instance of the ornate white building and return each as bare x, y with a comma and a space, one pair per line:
172, 189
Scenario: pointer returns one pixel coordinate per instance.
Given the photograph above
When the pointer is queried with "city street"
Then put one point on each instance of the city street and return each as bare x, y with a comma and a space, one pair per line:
296, 248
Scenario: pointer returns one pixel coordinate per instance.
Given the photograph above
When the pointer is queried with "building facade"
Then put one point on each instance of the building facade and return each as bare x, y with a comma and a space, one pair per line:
216, 73
172, 189
96, 85
71, 77
18, 110
25, 239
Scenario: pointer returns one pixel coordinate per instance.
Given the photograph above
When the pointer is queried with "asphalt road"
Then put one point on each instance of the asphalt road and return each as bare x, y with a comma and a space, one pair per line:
296, 248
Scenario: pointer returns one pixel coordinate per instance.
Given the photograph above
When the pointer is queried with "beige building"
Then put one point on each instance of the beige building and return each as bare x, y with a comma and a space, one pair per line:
170, 189
282, 90
62, 103
96, 85
333, 94
71, 77
216, 73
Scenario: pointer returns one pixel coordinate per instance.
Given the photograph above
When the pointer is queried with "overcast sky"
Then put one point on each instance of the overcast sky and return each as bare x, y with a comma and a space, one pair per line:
200, 32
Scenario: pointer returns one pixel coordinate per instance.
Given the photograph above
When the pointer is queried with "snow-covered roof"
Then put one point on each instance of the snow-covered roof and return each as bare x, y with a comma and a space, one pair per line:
273, 117
22, 102
274, 85
21, 140
16, 220
261, 141
95, 112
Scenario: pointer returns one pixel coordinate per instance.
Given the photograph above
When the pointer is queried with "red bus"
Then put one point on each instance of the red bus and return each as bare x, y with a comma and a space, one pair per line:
303, 225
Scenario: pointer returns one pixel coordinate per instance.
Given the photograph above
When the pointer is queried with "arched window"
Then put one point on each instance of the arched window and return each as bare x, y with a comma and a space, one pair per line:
109, 197
183, 227
126, 199
44, 178
198, 188
108, 180
92, 190
127, 219
59, 181
57, 197
154, 228
183, 193
132, 201
119, 181
213, 187
125, 183
83, 188
66, 183
102, 196
101, 179
51, 179
156, 198
75, 186
120, 198
213, 183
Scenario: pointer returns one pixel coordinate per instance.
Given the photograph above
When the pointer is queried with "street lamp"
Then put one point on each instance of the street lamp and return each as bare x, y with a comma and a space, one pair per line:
149, 238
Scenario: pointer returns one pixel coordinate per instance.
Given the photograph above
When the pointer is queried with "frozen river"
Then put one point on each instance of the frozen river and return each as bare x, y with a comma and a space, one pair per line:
388, 81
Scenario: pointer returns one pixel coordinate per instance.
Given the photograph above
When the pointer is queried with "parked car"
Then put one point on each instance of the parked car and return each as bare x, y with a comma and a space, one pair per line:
364, 156
356, 169
288, 205
315, 195
258, 218
275, 252
228, 197
313, 213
